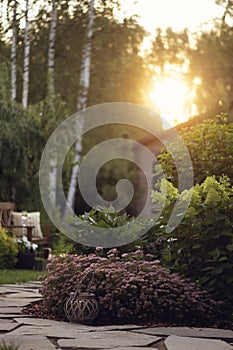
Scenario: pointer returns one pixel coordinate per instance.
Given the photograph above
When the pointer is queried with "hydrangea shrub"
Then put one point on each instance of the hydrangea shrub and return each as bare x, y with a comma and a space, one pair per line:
201, 247
130, 288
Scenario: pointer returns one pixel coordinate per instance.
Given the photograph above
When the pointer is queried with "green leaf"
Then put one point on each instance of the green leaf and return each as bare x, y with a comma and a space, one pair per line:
230, 247
197, 246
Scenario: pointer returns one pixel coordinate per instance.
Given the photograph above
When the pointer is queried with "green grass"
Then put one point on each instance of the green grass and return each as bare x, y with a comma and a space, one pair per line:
19, 276
11, 346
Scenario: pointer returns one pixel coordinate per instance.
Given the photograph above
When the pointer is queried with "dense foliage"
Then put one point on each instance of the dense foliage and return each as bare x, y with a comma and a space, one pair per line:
90, 224
201, 247
129, 289
23, 135
210, 146
8, 250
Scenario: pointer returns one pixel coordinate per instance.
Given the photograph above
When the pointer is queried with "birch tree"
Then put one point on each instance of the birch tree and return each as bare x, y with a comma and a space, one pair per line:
26, 59
51, 94
82, 101
13, 52
51, 53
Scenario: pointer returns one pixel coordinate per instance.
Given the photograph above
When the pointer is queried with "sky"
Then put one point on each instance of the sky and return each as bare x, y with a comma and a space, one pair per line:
178, 14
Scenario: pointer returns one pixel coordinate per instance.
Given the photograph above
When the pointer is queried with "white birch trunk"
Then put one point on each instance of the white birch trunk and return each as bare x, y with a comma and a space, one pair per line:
82, 102
51, 93
13, 53
51, 53
26, 59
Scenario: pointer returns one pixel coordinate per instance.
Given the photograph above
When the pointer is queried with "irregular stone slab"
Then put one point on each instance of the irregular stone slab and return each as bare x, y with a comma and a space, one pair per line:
115, 327
37, 283
7, 325
65, 330
5, 321
28, 342
106, 340
22, 287
15, 302
45, 322
34, 321
4, 290
12, 286
10, 310
31, 285
183, 343
12, 316
133, 348
213, 333
24, 295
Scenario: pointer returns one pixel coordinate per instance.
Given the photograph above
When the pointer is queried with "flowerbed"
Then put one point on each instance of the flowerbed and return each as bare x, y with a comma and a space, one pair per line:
130, 288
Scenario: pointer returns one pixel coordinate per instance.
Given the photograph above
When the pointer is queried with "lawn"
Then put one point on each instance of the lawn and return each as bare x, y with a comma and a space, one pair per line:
19, 276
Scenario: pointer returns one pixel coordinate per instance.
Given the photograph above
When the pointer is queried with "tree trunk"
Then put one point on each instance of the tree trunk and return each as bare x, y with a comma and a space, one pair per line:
82, 101
51, 53
26, 59
51, 94
13, 53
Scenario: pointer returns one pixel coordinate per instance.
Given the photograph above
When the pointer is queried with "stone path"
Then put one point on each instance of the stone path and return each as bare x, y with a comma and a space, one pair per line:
31, 333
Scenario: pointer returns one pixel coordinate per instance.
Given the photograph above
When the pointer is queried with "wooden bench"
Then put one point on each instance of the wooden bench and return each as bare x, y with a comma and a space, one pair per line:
6, 220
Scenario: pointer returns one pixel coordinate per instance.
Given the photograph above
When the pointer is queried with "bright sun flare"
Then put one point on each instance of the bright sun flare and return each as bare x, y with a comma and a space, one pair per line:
172, 96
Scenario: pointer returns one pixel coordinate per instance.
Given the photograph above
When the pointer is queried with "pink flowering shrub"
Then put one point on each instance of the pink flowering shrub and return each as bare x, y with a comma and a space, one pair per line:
130, 288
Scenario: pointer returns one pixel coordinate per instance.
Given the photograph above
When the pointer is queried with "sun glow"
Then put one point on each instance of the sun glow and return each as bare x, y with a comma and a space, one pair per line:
172, 96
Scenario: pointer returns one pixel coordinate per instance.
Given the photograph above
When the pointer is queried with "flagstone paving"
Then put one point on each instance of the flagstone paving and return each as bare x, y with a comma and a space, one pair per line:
177, 343
29, 343
210, 333
31, 333
7, 325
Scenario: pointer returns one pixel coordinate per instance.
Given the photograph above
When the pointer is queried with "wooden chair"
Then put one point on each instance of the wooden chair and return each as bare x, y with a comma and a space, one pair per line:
6, 220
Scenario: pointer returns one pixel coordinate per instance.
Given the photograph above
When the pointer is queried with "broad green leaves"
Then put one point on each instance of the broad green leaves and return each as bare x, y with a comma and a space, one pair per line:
201, 247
